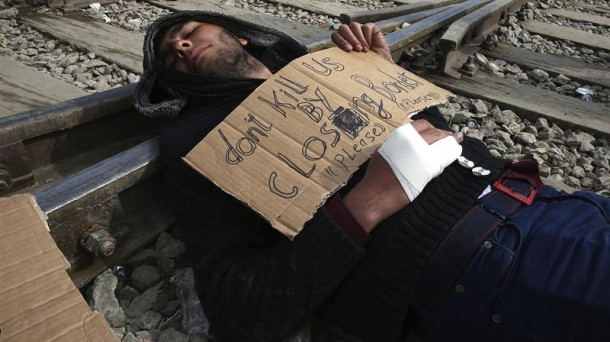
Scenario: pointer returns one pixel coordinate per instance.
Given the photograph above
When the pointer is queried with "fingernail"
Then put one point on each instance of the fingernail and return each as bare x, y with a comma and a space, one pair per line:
459, 136
358, 47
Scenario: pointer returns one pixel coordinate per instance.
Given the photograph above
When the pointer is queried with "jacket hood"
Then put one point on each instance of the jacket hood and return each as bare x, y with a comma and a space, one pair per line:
154, 98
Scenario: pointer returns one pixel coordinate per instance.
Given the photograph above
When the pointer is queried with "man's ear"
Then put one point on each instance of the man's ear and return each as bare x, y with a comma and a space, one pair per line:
243, 41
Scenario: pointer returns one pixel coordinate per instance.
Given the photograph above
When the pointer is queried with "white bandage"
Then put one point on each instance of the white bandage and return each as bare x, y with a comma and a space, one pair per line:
413, 161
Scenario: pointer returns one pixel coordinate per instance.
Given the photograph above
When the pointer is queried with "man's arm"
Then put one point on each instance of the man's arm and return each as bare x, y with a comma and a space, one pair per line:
380, 193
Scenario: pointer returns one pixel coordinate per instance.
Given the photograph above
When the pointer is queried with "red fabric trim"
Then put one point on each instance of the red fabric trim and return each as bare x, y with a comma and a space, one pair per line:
526, 170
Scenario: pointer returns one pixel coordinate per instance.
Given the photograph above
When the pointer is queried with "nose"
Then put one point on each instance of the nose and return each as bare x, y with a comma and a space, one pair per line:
181, 46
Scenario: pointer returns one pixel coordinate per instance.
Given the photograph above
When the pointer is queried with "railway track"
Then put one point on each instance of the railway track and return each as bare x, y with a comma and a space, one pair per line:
91, 159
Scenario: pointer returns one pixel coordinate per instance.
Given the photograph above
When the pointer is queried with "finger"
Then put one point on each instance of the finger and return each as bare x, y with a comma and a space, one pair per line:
356, 29
345, 32
341, 42
421, 125
432, 134
368, 31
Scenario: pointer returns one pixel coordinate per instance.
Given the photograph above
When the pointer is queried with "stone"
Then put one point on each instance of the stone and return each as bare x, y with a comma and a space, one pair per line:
512, 69
578, 172
586, 147
164, 295
171, 335
446, 111
166, 265
129, 337
145, 276
602, 162
68, 60
475, 133
515, 149
556, 178
104, 301
538, 75
461, 117
541, 123
505, 138
193, 317
586, 183
171, 308
512, 128
480, 106
93, 63
119, 332
573, 182
148, 320
127, 293
525, 138
531, 129
152, 335
9, 13
143, 302
601, 184
173, 321
505, 117
543, 170
561, 79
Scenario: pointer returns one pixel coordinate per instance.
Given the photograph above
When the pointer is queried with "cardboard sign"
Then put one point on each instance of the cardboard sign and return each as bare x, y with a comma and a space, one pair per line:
38, 301
301, 135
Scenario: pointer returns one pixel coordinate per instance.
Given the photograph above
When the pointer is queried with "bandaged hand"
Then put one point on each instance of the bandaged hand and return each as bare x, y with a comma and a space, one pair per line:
413, 161
388, 186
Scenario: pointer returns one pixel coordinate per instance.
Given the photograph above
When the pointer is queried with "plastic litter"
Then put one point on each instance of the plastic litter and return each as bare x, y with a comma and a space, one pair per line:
585, 93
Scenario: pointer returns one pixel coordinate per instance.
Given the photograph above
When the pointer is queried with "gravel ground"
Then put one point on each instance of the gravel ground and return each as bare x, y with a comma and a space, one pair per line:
583, 26
148, 298
80, 68
515, 35
302, 16
568, 6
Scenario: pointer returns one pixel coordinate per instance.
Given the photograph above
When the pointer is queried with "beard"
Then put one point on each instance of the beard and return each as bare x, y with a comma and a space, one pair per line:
233, 60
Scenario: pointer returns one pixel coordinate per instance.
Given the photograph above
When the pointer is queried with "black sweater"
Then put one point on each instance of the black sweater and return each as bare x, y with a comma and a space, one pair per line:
254, 283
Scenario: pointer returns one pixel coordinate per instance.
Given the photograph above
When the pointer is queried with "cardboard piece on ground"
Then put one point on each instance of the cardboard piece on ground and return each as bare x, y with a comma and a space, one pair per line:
38, 301
300, 136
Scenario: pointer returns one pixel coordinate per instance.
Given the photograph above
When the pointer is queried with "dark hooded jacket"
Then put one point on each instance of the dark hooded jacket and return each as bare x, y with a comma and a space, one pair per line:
254, 283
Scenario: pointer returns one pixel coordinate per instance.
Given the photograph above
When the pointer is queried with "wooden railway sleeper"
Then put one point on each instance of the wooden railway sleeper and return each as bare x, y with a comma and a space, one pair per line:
465, 36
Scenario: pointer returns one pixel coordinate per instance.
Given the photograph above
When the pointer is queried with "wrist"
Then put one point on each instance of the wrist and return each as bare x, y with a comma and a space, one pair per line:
373, 200
363, 207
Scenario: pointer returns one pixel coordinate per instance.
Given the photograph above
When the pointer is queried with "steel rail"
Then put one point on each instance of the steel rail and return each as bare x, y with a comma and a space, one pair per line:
391, 12
64, 115
465, 35
402, 38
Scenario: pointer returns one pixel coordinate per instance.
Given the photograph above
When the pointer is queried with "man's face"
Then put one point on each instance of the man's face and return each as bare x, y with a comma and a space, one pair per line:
206, 49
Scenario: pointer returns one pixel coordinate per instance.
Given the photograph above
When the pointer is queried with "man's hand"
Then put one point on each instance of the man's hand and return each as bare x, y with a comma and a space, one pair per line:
362, 38
380, 194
